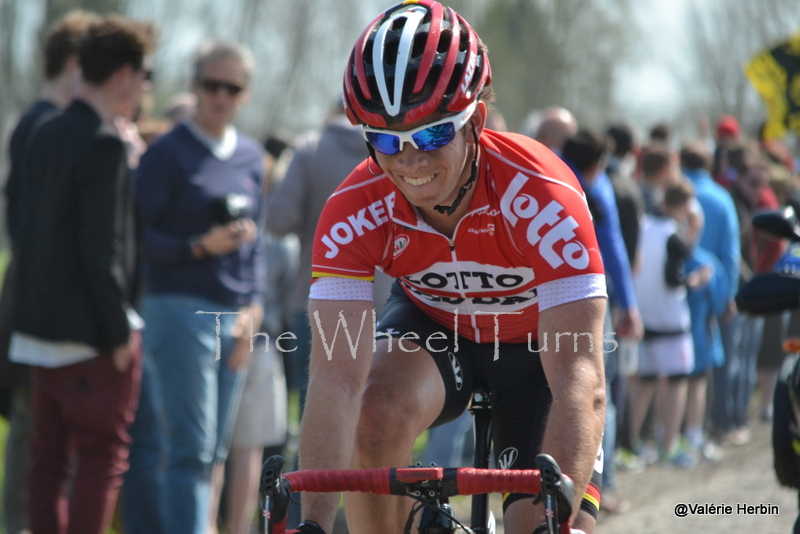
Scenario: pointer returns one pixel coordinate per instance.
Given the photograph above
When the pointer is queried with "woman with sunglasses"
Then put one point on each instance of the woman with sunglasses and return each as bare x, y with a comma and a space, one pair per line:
493, 246
199, 189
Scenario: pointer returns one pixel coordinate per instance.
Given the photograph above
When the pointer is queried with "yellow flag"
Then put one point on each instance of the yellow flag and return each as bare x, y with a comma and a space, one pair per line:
775, 74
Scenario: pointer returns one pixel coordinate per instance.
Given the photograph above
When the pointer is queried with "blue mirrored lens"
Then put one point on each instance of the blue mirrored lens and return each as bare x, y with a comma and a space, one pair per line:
428, 139
435, 136
384, 143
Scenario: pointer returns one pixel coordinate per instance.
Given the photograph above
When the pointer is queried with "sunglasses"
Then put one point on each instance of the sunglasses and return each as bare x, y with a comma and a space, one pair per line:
427, 137
214, 86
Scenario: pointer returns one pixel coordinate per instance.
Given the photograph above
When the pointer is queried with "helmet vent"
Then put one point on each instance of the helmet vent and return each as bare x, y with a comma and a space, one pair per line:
390, 49
463, 42
366, 57
444, 41
455, 79
418, 47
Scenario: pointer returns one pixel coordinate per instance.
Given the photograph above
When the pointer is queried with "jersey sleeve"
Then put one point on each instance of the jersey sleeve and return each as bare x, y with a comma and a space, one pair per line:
352, 234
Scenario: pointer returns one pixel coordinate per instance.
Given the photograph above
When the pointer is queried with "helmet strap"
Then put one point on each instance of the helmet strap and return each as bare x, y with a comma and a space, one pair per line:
372, 158
449, 210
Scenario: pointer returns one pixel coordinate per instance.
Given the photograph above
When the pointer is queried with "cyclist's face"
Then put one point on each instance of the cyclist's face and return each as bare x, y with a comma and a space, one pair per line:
434, 177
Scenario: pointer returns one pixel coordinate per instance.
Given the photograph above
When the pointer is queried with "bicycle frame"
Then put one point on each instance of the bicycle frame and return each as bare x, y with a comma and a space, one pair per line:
431, 486
481, 409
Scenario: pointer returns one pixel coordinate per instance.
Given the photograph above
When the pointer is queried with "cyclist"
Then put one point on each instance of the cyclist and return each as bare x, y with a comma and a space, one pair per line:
491, 239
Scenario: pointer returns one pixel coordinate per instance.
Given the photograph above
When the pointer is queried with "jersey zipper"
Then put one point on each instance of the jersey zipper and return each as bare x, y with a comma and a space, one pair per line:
467, 302
452, 245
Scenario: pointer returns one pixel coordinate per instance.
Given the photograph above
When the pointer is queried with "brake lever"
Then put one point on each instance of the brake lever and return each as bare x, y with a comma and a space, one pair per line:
557, 493
273, 493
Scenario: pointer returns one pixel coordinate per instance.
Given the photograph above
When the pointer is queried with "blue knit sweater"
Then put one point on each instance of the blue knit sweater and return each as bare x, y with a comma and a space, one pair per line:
177, 182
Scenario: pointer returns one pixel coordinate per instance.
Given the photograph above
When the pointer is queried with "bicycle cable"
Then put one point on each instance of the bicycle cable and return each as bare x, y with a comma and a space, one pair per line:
423, 503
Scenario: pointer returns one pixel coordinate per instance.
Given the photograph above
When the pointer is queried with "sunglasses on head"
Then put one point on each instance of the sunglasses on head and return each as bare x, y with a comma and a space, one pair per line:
214, 86
427, 137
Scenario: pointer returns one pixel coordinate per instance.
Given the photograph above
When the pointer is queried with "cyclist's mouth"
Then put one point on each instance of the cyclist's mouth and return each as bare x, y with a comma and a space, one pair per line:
418, 181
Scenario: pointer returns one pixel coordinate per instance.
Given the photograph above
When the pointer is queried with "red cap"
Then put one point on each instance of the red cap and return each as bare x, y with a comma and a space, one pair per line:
727, 126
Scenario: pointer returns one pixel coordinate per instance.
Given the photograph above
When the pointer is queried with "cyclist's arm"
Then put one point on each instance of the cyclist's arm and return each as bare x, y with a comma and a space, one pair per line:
575, 423
335, 386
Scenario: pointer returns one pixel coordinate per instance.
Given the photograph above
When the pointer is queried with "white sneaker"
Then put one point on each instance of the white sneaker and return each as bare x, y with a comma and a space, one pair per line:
711, 453
647, 452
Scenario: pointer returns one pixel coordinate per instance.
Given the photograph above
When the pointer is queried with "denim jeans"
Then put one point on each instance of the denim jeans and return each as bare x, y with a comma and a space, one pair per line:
200, 395
745, 376
610, 429
143, 484
733, 382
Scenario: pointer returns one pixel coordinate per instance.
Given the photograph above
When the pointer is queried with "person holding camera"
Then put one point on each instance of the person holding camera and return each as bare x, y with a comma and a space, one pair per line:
198, 189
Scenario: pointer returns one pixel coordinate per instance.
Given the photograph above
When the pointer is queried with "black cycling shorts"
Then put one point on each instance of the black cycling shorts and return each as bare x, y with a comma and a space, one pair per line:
511, 372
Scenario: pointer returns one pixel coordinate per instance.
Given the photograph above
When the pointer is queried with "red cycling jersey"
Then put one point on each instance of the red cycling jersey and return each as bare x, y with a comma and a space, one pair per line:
527, 242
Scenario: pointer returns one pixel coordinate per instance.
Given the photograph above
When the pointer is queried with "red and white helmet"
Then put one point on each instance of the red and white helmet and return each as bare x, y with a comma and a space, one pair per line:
416, 59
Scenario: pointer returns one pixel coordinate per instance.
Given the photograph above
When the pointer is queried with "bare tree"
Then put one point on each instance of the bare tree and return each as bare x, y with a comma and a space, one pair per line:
300, 47
556, 52
724, 36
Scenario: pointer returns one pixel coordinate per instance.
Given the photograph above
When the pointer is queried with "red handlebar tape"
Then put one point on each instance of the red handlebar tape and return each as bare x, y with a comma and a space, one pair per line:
468, 480
333, 480
472, 481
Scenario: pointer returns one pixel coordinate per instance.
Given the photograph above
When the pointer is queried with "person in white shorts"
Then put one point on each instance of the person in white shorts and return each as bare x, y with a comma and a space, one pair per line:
666, 355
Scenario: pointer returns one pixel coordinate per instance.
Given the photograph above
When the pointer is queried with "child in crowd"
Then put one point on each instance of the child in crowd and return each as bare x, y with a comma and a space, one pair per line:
707, 303
666, 356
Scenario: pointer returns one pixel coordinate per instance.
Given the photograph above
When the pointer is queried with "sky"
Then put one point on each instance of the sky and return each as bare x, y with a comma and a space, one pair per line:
650, 89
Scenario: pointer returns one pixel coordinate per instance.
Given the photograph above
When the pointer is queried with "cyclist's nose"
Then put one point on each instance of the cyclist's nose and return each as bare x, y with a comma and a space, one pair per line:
410, 157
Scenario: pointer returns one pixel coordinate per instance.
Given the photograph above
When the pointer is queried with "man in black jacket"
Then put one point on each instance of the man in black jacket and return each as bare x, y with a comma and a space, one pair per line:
16, 405
76, 258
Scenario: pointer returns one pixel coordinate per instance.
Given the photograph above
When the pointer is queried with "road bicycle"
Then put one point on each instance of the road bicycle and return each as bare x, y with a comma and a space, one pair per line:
430, 487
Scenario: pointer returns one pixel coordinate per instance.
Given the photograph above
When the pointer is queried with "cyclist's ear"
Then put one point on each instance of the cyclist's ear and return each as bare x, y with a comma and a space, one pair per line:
478, 121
